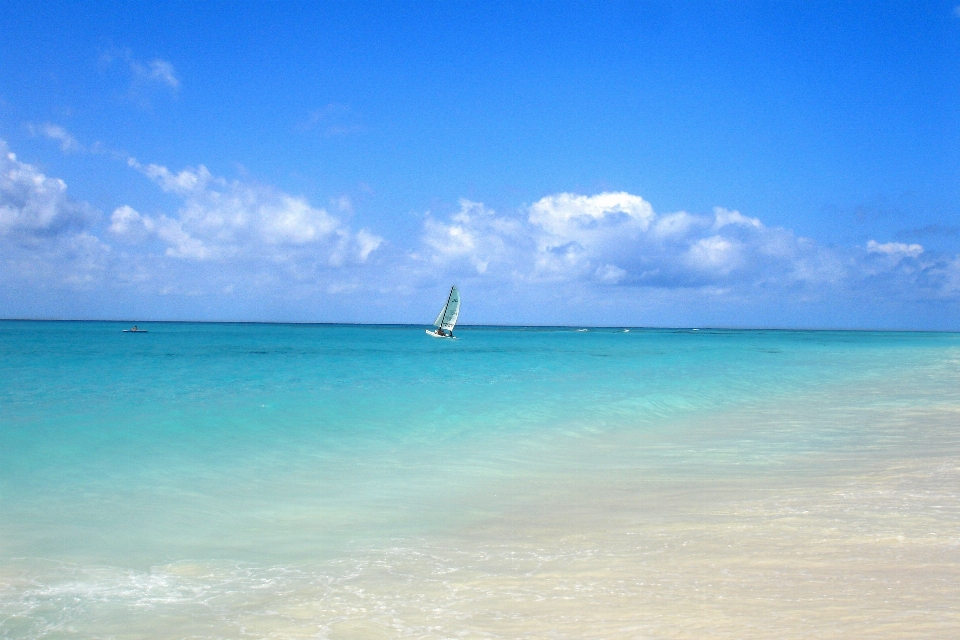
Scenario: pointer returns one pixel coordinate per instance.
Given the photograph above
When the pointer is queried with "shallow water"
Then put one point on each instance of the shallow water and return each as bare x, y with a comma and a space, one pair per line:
225, 480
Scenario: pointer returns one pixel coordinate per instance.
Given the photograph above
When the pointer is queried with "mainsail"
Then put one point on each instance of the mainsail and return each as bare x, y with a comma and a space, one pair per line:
448, 315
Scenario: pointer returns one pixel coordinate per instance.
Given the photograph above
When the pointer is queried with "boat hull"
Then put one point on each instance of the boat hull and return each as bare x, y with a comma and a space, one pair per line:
433, 334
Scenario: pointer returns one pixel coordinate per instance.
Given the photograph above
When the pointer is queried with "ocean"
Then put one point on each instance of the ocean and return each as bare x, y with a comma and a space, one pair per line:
210, 480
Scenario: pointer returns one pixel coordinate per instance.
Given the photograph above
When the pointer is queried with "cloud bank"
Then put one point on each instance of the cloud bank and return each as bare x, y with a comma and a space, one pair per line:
617, 240
225, 236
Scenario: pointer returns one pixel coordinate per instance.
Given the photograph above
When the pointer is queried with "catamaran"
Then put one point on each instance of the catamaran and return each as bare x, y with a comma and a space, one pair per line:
448, 316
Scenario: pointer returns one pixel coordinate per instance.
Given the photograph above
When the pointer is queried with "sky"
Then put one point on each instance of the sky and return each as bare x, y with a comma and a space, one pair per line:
754, 164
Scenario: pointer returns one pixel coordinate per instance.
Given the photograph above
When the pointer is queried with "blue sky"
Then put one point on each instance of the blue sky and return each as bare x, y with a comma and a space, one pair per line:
656, 164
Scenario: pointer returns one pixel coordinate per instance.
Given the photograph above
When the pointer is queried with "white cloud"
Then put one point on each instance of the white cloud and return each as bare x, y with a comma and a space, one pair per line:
145, 77
610, 274
158, 71
183, 245
908, 271
68, 143
31, 204
474, 236
367, 243
590, 221
570, 243
674, 225
896, 249
617, 238
45, 236
725, 218
235, 235
127, 223
575, 234
715, 255
222, 218
355, 247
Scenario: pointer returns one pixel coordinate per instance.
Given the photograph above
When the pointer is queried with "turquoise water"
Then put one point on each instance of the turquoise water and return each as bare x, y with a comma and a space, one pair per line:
287, 449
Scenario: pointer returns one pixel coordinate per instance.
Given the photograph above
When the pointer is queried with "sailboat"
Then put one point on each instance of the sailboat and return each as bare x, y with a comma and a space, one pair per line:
448, 316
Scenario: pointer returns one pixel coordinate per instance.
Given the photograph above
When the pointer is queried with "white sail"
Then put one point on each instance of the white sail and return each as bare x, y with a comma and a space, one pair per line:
448, 315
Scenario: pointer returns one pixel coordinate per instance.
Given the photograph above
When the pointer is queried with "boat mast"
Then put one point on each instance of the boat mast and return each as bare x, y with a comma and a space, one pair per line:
446, 307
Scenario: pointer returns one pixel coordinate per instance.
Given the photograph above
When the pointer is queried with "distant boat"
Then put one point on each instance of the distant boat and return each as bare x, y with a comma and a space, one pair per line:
135, 329
448, 316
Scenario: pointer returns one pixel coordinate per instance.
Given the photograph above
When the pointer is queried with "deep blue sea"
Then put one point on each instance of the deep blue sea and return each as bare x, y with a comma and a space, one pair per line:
265, 480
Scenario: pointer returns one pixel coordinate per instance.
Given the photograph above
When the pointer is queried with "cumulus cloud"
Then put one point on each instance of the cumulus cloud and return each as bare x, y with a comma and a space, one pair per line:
46, 236
474, 236
34, 205
576, 233
127, 224
270, 239
220, 219
617, 238
715, 255
568, 213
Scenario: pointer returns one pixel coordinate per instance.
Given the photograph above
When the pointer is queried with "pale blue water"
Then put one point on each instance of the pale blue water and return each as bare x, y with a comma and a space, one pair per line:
285, 447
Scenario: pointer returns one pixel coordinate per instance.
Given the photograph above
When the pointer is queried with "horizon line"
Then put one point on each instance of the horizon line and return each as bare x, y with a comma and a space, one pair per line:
501, 326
